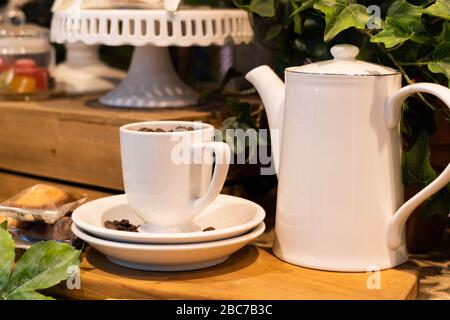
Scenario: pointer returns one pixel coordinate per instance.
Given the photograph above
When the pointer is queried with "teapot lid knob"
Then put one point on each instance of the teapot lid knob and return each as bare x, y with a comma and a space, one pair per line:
344, 63
344, 52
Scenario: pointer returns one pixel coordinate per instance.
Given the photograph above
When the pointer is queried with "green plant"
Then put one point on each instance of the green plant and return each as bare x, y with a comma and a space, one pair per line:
42, 266
243, 114
412, 36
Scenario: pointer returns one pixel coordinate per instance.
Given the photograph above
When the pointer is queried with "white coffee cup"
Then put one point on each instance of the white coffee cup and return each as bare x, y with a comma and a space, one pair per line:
167, 175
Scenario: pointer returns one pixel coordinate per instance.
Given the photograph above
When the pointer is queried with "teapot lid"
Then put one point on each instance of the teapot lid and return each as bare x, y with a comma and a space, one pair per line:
344, 63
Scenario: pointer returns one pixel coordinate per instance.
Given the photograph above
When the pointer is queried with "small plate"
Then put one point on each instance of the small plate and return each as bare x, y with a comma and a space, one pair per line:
230, 216
169, 257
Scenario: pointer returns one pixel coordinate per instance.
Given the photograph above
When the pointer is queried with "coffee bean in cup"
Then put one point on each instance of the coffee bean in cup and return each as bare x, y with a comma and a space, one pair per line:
177, 129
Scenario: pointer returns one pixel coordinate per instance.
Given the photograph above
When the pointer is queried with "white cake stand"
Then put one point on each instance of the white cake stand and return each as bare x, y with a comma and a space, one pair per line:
152, 80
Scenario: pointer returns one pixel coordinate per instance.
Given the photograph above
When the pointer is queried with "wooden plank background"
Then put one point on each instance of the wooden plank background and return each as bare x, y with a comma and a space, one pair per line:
70, 140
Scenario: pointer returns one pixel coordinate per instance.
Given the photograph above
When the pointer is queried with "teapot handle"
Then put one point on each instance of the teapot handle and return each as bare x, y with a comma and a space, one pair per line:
392, 118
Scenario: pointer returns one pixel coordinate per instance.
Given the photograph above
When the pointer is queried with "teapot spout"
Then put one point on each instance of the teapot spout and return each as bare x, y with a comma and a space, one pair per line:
272, 92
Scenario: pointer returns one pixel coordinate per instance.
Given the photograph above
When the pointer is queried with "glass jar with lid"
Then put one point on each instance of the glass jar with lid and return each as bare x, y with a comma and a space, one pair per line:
26, 56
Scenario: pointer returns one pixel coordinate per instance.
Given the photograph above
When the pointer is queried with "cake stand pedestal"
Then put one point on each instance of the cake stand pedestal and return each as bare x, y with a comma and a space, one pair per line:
152, 81
84, 73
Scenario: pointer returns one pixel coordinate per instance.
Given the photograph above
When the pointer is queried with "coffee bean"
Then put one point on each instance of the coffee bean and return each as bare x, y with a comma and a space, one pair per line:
122, 225
124, 222
182, 128
177, 129
111, 225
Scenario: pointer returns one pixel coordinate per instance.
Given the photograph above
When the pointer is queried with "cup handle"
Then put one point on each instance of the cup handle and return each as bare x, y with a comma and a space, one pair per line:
222, 163
392, 117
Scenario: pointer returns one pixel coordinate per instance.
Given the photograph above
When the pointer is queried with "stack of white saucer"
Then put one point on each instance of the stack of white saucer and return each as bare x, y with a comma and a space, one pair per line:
232, 223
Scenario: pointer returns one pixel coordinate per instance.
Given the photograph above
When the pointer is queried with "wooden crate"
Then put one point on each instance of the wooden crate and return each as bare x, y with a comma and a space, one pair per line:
75, 139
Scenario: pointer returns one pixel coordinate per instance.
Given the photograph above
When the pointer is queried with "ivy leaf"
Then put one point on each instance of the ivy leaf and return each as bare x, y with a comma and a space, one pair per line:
305, 5
391, 36
441, 59
442, 50
242, 111
29, 295
341, 15
42, 266
417, 170
273, 31
403, 22
441, 9
264, 8
441, 66
438, 204
7, 255
445, 33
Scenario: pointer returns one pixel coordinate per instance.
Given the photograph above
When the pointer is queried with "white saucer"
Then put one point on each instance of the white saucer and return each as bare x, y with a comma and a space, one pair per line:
169, 257
230, 216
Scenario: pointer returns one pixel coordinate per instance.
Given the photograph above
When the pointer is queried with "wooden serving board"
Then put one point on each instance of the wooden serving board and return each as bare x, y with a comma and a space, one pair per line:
251, 273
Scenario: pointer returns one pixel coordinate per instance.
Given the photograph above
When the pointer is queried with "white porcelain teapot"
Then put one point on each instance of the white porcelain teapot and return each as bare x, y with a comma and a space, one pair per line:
340, 199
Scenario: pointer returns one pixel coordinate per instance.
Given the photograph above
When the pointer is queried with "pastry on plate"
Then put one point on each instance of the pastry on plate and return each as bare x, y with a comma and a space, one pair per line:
70, 5
40, 196
12, 222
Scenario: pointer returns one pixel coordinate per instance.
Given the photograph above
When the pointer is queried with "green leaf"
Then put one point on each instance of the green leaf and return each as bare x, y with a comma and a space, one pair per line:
341, 15
391, 36
439, 203
403, 22
417, 170
442, 50
441, 66
4, 225
441, 59
298, 24
242, 111
7, 255
264, 8
305, 5
441, 9
29, 295
273, 31
445, 33
42, 266
297, 20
